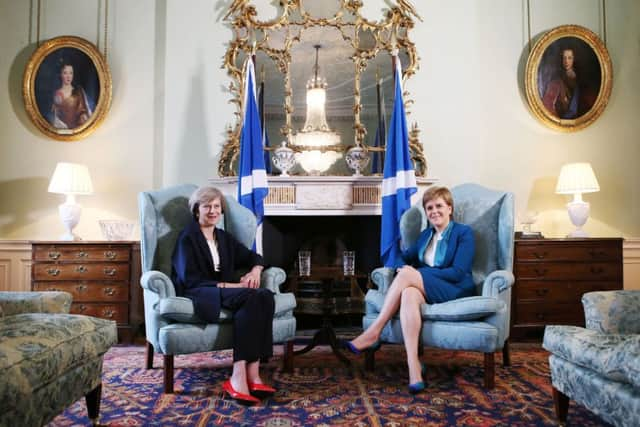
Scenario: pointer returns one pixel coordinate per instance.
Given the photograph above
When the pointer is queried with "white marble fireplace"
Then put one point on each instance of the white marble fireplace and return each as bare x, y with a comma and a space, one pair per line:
321, 195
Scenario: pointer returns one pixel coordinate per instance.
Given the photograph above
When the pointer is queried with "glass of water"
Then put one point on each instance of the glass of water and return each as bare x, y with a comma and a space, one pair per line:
349, 263
304, 263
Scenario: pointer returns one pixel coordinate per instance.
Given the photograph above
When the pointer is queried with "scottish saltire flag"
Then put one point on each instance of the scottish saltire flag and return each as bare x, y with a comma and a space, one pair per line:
377, 160
252, 182
399, 179
265, 136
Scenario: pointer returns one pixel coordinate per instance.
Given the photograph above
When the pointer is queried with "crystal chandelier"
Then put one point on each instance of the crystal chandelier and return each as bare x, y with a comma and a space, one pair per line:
316, 139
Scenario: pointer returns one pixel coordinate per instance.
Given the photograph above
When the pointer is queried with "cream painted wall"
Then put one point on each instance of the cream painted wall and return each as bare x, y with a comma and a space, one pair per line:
170, 109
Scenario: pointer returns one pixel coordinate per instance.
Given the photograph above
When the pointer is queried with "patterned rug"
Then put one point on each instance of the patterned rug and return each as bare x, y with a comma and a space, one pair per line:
324, 392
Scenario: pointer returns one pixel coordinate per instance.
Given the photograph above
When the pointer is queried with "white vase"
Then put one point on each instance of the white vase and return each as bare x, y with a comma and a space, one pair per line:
357, 159
284, 159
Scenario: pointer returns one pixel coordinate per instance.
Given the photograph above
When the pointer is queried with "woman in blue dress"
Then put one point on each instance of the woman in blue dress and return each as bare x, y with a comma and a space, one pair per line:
437, 268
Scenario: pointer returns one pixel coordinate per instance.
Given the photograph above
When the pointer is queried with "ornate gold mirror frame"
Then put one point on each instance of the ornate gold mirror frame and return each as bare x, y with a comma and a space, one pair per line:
276, 38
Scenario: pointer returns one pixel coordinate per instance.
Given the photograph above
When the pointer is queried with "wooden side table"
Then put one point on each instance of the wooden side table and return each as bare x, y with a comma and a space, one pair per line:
103, 278
553, 274
327, 292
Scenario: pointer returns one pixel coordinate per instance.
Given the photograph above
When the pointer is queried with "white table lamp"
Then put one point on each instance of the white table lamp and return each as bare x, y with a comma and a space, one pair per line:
70, 179
577, 178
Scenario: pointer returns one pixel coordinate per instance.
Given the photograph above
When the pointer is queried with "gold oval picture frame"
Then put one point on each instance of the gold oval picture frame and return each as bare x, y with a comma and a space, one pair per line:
568, 78
67, 88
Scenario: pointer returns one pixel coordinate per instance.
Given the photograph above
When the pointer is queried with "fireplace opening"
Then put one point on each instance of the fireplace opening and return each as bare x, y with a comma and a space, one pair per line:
326, 237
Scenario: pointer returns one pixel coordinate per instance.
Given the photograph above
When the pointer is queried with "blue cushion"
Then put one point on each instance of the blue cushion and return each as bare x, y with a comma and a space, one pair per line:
630, 351
463, 309
593, 350
180, 309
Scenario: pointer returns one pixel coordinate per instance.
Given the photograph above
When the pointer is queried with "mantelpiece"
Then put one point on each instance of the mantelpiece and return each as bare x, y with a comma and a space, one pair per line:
321, 195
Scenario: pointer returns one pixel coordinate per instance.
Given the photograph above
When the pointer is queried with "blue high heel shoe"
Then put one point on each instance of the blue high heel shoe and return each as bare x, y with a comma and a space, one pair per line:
353, 349
416, 388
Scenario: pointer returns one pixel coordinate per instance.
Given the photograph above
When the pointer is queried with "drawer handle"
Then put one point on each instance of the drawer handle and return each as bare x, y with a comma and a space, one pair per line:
82, 254
81, 288
542, 255
53, 289
540, 316
81, 269
597, 270
597, 254
53, 271
542, 292
110, 271
108, 313
540, 271
110, 255
82, 308
54, 255
109, 292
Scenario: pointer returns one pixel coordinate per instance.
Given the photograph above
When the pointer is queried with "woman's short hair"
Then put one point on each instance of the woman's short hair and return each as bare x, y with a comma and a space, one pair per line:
434, 192
202, 195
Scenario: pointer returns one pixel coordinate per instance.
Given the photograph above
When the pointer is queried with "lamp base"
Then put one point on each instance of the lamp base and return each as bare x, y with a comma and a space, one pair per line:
578, 232
578, 213
70, 237
69, 215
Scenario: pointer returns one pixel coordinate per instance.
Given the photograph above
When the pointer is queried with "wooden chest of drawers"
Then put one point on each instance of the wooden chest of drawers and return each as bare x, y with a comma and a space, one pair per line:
553, 274
103, 278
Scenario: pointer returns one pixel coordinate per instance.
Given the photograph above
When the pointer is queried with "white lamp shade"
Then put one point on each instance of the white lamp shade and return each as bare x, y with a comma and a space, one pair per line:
577, 178
70, 178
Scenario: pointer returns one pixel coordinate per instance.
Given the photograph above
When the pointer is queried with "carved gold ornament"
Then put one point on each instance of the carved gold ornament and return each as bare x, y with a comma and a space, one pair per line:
252, 36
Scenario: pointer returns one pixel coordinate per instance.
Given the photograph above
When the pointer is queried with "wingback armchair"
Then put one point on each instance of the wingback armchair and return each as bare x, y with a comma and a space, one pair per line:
599, 366
477, 323
171, 326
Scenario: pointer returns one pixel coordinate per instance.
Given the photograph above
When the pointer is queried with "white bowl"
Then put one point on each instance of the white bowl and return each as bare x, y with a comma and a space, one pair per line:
116, 229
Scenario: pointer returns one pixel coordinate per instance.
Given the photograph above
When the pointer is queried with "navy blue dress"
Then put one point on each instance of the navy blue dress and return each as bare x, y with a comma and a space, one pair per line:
194, 277
451, 279
193, 274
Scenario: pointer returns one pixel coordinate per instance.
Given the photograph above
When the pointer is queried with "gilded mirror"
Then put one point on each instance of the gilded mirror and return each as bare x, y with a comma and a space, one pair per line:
354, 57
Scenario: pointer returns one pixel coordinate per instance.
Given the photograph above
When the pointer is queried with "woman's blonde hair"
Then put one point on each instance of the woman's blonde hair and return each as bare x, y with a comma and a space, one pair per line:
202, 195
434, 192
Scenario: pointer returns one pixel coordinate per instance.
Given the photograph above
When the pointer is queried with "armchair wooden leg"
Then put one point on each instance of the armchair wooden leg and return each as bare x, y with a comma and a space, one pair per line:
370, 360
287, 361
93, 404
149, 354
506, 354
561, 403
168, 373
489, 371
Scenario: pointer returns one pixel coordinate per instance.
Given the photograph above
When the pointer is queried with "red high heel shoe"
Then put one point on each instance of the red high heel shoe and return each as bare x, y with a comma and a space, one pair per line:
261, 388
228, 388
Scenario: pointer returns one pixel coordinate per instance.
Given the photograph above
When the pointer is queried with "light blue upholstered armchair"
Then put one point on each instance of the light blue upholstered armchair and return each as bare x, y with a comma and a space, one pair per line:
170, 324
599, 366
478, 323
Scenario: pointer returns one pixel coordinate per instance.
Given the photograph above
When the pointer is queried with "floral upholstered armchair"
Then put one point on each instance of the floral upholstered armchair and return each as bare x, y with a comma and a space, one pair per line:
49, 358
599, 366
478, 323
170, 323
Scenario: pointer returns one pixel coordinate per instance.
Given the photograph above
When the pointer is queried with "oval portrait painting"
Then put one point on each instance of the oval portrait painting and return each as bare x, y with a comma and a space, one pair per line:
67, 88
568, 79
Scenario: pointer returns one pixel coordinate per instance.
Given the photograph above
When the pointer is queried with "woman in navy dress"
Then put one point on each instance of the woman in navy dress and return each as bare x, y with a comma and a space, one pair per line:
204, 261
437, 269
